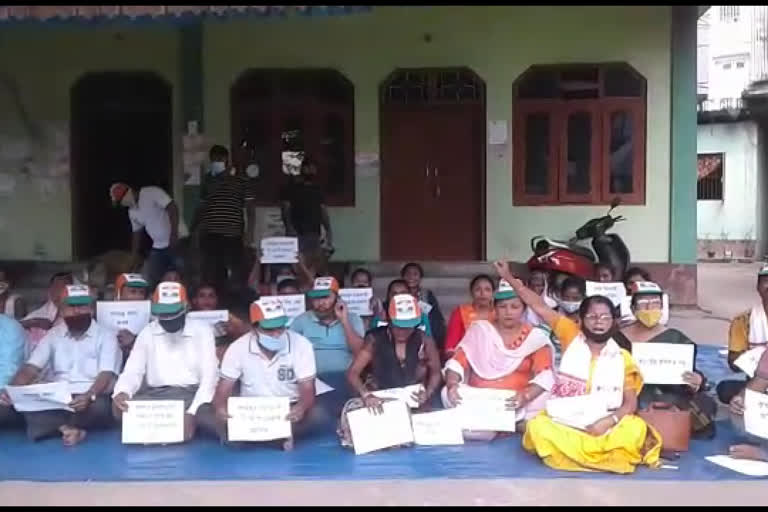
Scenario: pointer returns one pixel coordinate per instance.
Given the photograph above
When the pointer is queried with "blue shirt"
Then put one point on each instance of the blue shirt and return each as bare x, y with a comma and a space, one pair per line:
332, 353
12, 340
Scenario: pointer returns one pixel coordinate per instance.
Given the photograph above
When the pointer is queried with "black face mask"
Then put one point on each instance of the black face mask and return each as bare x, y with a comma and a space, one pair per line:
78, 324
173, 325
595, 337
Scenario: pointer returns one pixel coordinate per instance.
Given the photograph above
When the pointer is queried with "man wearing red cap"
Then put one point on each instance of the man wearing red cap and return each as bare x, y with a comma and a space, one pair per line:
151, 210
82, 354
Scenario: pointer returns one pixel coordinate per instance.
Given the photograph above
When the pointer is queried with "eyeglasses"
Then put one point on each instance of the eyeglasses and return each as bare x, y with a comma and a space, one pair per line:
594, 317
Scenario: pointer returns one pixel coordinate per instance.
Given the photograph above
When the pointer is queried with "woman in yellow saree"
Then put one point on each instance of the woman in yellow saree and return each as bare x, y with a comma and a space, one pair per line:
592, 364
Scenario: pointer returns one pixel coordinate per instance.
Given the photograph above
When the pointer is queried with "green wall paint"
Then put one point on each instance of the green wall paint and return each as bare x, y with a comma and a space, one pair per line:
45, 64
682, 243
499, 43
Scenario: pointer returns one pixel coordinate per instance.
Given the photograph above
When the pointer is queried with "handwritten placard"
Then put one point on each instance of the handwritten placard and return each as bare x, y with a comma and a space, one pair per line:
293, 305
371, 432
486, 409
404, 394
258, 418
663, 363
40, 397
616, 292
153, 422
211, 318
437, 428
132, 315
577, 411
358, 300
280, 249
756, 413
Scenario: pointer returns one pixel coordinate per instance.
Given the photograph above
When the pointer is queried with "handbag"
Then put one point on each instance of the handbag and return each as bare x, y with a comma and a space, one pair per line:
672, 423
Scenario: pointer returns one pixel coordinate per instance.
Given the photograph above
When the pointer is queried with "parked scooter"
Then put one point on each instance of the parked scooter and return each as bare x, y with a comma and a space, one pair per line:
571, 258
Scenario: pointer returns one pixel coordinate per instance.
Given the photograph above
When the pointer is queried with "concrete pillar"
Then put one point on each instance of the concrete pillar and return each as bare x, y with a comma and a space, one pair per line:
192, 107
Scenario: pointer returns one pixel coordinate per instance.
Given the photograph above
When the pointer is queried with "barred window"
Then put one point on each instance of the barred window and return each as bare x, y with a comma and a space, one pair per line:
710, 177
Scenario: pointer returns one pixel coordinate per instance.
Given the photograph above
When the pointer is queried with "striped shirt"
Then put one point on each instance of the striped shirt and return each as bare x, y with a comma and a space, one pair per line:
223, 203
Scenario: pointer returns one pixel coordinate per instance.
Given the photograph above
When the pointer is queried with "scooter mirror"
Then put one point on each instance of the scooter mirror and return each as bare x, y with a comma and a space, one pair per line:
616, 202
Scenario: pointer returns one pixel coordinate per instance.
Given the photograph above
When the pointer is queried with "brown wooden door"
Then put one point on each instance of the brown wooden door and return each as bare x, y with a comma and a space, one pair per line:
432, 183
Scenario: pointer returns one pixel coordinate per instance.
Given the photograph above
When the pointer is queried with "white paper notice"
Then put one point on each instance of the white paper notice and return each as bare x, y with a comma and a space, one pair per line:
748, 361
371, 432
280, 249
577, 411
745, 467
756, 413
404, 394
486, 409
210, 317
616, 292
132, 315
663, 363
293, 305
358, 300
258, 418
153, 422
437, 428
40, 397
497, 132
321, 387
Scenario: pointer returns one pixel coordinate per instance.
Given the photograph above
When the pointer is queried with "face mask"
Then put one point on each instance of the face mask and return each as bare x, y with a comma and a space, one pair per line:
648, 317
78, 324
570, 307
217, 168
271, 343
173, 325
595, 337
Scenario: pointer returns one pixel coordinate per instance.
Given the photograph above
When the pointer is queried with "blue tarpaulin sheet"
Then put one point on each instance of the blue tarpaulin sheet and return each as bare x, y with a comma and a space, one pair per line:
101, 457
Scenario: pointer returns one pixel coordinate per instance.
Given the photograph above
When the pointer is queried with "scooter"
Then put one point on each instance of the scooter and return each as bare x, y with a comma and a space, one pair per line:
571, 258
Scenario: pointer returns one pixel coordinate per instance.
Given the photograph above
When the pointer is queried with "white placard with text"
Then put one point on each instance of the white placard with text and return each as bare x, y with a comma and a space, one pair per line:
616, 292
153, 422
293, 305
371, 432
258, 418
437, 428
40, 397
663, 363
756, 413
212, 317
486, 409
280, 249
132, 315
404, 394
358, 300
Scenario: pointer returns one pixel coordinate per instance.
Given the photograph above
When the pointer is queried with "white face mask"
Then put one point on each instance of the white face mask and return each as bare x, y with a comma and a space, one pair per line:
217, 168
570, 307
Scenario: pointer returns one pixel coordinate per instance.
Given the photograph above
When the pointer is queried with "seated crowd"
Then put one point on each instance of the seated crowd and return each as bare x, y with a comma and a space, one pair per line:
507, 337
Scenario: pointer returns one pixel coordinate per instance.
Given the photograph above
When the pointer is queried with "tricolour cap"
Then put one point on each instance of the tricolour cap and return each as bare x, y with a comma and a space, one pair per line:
77, 295
645, 288
117, 191
404, 311
131, 280
505, 291
763, 271
323, 287
268, 312
169, 298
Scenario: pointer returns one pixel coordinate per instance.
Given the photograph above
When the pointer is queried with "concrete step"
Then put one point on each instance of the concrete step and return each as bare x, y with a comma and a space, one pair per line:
431, 268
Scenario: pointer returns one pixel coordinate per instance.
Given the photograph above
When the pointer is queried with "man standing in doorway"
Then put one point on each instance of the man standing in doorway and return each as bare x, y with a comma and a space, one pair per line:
227, 199
304, 213
153, 210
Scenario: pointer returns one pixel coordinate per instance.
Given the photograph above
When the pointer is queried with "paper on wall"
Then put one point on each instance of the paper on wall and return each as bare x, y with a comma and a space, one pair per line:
371, 432
358, 300
258, 418
663, 363
132, 315
153, 422
437, 428
40, 397
486, 409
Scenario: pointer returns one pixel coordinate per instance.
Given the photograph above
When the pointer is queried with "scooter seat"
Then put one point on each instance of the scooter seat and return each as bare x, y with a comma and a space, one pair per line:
578, 249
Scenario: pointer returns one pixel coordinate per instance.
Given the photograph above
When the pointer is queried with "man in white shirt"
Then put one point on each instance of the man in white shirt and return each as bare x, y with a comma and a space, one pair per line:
268, 361
151, 210
85, 356
176, 356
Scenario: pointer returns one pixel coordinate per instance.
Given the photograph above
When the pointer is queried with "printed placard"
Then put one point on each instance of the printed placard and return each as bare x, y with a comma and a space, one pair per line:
132, 315
756, 413
153, 422
663, 363
280, 249
486, 409
358, 300
258, 418
371, 432
437, 428
616, 292
211, 318
40, 397
293, 305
